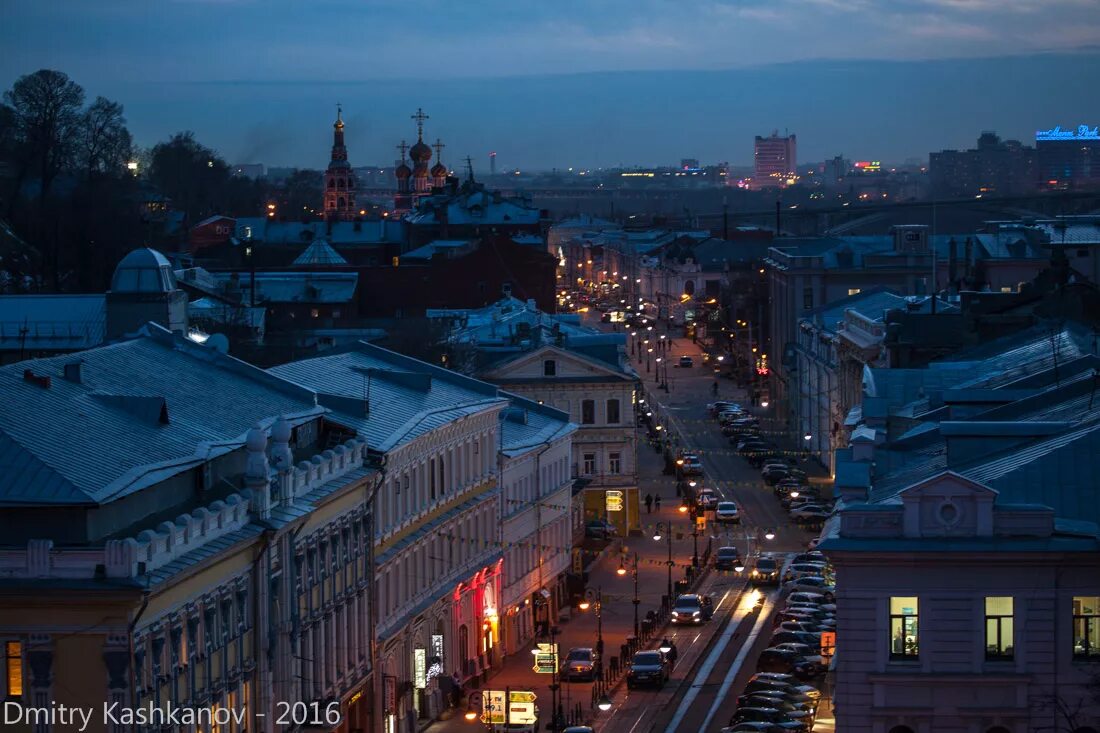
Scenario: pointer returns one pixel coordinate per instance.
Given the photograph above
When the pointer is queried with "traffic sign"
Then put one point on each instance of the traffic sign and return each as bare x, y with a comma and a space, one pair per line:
546, 658
614, 500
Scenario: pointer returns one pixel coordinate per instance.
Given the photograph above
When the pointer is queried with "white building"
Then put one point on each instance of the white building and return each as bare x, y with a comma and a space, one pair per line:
968, 561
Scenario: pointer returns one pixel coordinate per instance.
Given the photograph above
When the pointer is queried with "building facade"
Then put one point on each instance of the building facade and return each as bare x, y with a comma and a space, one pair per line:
774, 160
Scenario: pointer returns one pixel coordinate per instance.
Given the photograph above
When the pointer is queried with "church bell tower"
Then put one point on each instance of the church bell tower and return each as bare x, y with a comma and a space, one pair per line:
339, 179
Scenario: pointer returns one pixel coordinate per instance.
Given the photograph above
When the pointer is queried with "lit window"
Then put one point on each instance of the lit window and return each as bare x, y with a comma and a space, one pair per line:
1006, 289
13, 654
903, 627
1086, 627
853, 291
998, 627
314, 313
395, 261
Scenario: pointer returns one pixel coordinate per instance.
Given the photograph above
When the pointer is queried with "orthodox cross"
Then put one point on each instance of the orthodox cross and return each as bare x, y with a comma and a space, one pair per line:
339, 110
439, 149
419, 117
403, 147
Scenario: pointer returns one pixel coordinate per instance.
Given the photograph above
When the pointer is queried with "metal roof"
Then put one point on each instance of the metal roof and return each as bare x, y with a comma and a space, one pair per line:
320, 253
52, 322
103, 438
406, 397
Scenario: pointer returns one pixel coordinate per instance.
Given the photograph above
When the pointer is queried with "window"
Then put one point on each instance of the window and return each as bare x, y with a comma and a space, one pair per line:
853, 291
588, 412
549, 368
431, 477
998, 627
903, 627
1086, 627
807, 298
395, 261
612, 411
589, 464
13, 659
614, 464
1006, 288
314, 313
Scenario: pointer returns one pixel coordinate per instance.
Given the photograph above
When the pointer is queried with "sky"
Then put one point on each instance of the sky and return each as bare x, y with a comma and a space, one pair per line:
582, 83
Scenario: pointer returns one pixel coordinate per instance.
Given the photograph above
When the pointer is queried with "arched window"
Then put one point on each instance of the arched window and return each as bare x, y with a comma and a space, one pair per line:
332, 183
689, 287
340, 183
901, 729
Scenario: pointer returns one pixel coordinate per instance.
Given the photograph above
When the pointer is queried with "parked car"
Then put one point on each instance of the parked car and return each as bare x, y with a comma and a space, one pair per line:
814, 584
581, 663
727, 558
706, 498
721, 406
767, 715
804, 569
692, 608
810, 515
727, 511
600, 529
751, 445
686, 362
766, 571
762, 726
801, 627
813, 663
787, 679
647, 668
811, 556
811, 639
800, 712
777, 660
772, 474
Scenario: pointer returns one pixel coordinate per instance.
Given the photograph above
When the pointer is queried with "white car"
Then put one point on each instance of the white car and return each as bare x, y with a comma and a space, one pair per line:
727, 511
814, 584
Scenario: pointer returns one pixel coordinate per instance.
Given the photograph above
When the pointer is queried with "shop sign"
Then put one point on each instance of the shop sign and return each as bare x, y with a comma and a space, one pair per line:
420, 668
546, 658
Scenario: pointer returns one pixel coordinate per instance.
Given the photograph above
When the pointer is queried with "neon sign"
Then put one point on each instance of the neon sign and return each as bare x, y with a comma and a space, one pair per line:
1083, 132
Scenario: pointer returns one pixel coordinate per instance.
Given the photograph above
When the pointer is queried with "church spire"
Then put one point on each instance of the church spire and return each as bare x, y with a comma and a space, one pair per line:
420, 117
340, 186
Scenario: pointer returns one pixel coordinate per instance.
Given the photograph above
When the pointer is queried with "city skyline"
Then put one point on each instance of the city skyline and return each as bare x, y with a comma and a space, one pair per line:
598, 89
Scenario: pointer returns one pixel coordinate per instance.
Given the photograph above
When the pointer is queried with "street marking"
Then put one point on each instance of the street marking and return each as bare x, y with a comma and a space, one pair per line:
736, 666
704, 672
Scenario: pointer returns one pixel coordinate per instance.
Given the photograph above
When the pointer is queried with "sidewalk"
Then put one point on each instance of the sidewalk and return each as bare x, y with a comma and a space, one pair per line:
580, 627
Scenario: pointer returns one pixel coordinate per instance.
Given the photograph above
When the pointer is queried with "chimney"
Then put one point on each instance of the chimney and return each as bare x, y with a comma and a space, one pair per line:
72, 371
41, 381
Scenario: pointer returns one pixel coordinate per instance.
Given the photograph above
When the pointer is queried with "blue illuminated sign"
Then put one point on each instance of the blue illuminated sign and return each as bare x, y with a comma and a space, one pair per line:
1083, 132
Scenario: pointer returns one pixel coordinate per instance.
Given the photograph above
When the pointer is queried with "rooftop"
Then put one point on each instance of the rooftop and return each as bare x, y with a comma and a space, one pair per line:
52, 322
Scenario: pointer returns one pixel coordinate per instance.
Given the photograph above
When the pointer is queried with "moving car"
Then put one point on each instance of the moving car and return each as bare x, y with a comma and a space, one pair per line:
686, 361
766, 571
600, 529
726, 511
647, 668
580, 663
692, 608
706, 498
727, 558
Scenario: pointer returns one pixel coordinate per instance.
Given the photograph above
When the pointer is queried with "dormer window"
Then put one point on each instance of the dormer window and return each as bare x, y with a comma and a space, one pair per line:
549, 368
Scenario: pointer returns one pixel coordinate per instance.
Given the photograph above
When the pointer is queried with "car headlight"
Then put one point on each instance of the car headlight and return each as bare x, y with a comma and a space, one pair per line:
675, 613
695, 613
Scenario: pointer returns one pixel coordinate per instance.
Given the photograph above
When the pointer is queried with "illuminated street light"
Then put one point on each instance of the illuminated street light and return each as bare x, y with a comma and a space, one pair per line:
807, 436
604, 703
666, 646
763, 403
769, 534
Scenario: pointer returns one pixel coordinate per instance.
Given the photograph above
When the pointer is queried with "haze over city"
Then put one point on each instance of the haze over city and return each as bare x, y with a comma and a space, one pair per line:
592, 84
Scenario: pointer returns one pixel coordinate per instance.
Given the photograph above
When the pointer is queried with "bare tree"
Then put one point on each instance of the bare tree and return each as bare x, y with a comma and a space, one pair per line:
104, 144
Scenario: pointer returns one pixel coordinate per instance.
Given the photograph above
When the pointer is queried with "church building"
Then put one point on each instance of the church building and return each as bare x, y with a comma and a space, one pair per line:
339, 179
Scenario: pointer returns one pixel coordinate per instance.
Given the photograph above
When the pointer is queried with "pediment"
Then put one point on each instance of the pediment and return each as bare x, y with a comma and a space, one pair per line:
948, 505
530, 364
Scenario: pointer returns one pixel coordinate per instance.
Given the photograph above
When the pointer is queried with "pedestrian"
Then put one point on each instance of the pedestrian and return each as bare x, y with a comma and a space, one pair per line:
456, 689
672, 654
657, 502
648, 503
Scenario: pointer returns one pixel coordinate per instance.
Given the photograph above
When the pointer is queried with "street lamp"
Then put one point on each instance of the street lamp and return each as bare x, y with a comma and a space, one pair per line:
471, 709
769, 534
622, 571
666, 528
666, 646
657, 370
604, 703
695, 537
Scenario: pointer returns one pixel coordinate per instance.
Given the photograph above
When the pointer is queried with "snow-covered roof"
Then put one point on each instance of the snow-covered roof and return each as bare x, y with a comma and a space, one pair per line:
320, 253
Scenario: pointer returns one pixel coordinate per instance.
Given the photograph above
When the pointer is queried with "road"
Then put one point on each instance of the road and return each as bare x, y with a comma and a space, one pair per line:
715, 660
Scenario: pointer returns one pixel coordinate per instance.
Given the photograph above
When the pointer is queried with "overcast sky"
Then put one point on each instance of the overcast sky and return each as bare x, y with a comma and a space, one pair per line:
258, 79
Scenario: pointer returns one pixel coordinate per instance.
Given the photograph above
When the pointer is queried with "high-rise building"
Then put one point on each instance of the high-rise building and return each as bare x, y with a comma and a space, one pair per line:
774, 159
1069, 158
995, 167
339, 179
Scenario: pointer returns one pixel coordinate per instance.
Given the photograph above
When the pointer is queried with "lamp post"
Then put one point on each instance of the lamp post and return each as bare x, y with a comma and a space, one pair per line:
666, 528
595, 596
622, 571
556, 712
695, 537
657, 371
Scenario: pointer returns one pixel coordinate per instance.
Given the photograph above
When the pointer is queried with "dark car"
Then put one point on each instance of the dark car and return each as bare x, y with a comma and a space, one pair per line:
686, 362
766, 571
727, 558
809, 638
691, 608
647, 668
760, 698
600, 529
768, 715
581, 663
706, 498
775, 659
